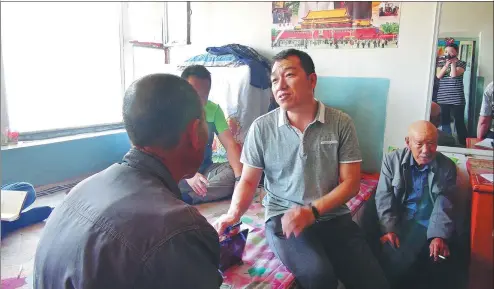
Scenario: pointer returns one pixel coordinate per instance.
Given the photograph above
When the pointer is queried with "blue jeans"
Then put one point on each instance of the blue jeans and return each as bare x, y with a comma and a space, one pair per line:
27, 217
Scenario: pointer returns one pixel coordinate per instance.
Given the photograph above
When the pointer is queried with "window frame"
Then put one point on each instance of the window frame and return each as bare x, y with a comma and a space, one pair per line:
126, 75
166, 46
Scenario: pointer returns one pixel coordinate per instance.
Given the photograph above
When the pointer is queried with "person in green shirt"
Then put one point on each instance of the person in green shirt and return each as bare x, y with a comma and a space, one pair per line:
213, 181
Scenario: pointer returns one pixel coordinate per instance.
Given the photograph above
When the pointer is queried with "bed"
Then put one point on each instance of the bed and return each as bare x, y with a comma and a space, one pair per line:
242, 103
261, 269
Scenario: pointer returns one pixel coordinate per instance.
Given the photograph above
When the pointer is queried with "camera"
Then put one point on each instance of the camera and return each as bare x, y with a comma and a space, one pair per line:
447, 57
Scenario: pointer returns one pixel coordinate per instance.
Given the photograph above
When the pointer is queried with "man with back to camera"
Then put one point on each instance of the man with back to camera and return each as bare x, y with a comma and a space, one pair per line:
213, 181
127, 227
311, 160
415, 211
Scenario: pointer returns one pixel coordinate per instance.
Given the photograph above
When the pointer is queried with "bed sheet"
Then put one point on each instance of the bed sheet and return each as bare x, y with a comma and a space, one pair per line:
260, 268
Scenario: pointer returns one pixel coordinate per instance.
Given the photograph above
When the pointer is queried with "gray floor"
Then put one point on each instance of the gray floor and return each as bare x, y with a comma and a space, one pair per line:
17, 250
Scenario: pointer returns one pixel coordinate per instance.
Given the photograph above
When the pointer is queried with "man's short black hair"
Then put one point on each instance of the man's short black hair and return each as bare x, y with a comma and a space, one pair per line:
305, 59
453, 45
198, 71
157, 108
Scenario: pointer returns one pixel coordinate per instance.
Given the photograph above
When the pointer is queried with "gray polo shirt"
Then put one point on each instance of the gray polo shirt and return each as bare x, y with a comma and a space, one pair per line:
487, 108
300, 167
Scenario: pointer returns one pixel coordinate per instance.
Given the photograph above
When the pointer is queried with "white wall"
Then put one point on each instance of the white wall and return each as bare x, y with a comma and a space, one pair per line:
471, 19
408, 67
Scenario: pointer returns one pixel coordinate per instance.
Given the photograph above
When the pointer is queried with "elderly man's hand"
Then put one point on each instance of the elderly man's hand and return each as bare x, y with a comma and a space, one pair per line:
296, 220
438, 247
392, 239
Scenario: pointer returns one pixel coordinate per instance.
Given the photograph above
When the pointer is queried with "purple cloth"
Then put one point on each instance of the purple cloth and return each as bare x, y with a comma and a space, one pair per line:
232, 249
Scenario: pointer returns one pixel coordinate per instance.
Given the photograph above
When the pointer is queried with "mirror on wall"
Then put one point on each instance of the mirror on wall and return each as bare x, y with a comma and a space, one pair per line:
463, 70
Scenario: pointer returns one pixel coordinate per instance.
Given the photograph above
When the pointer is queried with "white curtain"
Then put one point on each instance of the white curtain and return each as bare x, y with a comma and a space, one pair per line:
62, 64
4, 111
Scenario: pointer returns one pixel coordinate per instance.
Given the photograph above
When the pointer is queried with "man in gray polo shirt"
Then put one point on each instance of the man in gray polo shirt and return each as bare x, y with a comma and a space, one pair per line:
485, 126
311, 160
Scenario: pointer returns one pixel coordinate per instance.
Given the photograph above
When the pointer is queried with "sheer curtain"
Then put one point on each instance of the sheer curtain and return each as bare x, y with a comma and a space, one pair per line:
62, 64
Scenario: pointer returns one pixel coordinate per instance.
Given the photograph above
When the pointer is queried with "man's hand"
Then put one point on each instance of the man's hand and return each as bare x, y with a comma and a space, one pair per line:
393, 240
296, 220
199, 184
223, 222
438, 247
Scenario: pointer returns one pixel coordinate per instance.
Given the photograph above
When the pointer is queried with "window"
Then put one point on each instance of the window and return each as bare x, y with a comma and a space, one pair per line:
154, 28
66, 65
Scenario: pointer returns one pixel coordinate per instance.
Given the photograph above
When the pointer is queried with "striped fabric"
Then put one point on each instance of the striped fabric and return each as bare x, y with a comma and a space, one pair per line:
368, 186
451, 90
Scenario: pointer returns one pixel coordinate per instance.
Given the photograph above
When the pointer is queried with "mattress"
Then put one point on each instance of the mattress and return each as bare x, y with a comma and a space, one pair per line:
260, 268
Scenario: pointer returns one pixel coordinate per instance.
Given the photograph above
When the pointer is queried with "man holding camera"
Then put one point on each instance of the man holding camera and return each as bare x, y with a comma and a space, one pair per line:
450, 93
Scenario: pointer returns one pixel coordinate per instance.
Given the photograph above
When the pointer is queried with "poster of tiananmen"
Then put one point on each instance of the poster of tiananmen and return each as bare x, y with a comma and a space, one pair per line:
335, 25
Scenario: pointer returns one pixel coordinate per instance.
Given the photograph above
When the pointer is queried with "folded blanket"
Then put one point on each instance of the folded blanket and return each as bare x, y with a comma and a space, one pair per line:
212, 60
259, 65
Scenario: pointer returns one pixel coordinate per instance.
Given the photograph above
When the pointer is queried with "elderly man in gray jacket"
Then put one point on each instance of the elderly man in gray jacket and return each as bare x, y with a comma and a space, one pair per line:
414, 206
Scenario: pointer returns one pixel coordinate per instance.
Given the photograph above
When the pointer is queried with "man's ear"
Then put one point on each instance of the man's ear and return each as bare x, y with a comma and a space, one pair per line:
407, 142
313, 80
195, 133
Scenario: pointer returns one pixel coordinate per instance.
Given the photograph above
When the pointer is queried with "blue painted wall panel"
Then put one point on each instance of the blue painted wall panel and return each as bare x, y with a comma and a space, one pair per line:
365, 100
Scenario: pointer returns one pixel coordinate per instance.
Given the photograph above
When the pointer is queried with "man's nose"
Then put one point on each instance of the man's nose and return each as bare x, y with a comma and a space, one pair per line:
426, 149
281, 83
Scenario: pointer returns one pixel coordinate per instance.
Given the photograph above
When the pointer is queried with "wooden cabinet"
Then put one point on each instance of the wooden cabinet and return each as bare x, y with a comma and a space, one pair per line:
482, 229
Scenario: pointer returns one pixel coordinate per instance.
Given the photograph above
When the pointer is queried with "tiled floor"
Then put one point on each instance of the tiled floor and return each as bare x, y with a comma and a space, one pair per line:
18, 248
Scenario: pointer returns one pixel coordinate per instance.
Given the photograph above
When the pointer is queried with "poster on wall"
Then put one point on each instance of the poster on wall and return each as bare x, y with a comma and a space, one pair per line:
335, 25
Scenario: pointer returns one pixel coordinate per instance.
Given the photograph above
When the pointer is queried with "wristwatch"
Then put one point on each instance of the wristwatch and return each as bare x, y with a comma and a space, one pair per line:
237, 178
317, 216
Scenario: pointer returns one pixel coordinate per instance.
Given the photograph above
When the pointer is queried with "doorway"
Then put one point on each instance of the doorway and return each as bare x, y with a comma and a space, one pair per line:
468, 52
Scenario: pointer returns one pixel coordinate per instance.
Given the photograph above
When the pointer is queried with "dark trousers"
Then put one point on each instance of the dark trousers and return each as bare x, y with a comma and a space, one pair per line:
410, 265
489, 134
27, 217
403, 267
326, 252
458, 114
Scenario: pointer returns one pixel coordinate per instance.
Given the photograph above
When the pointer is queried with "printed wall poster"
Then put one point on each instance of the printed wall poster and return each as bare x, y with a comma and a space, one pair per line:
335, 25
